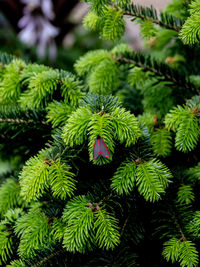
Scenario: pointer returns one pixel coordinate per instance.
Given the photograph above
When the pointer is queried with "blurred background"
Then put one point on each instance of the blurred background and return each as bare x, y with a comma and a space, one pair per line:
51, 31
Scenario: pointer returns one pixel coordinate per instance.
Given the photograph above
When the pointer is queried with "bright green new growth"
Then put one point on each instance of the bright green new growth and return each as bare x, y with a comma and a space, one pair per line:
162, 142
151, 178
114, 25
7, 238
5, 244
33, 178
10, 85
190, 32
89, 61
107, 230
126, 126
185, 194
58, 113
110, 214
136, 76
61, 179
40, 89
108, 21
79, 224
101, 125
110, 125
123, 180
92, 21
9, 196
186, 125
33, 230
183, 251
41, 173
87, 226
71, 89
105, 78
75, 131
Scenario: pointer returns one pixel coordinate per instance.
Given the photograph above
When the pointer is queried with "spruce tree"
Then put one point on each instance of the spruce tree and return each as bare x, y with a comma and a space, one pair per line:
64, 201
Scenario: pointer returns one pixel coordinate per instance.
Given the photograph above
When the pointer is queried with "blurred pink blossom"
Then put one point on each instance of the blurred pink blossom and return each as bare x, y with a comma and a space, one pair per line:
37, 28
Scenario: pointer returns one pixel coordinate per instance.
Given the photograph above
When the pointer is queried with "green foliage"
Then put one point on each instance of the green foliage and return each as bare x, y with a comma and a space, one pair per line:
71, 89
124, 178
99, 6
107, 230
136, 76
58, 113
185, 123
148, 120
113, 217
178, 8
30, 70
75, 131
10, 88
40, 173
6, 243
79, 220
172, 249
93, 21
90, 60
101, 125
114, 25
100, 104
106, 122
152, 178
182, 251
150, 14
162, 142
34, 177
17, 263
40, 89
33, 230
7, 239
82, 221
9, 195
185, 194
57, 229
157, 96
61, 179
121, 48
126, 126
190, 31
105, 78
109, 21
194, 172
162, 39
147, 29
194, 102
194, 225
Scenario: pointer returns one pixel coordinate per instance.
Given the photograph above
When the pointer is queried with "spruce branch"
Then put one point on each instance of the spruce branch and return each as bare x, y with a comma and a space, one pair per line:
33, 229
182, 251
79, 222
186, 125
107, 230
19, 121
162, 70
150, 14
10, 195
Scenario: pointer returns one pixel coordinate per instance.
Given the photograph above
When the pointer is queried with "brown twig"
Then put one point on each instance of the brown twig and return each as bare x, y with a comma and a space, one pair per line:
19, 121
